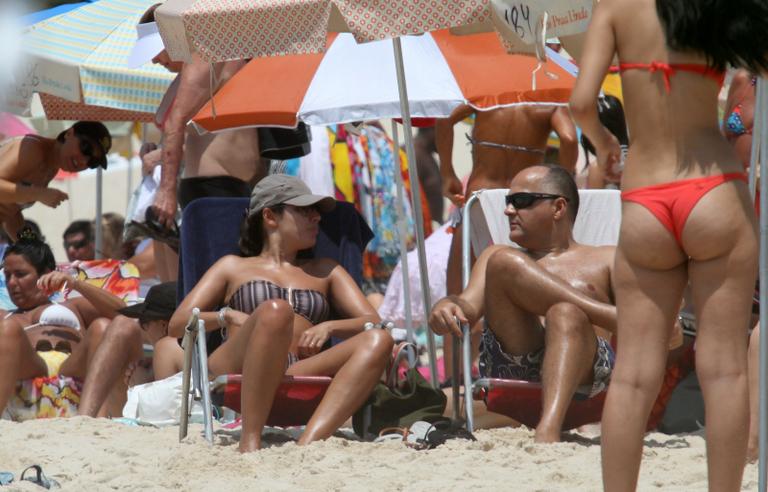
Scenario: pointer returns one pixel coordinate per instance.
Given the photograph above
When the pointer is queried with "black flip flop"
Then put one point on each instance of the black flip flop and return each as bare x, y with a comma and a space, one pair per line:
154, 229
40, 478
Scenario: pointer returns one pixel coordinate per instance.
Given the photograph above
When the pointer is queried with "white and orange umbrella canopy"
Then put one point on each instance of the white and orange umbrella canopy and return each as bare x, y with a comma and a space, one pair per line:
356, 82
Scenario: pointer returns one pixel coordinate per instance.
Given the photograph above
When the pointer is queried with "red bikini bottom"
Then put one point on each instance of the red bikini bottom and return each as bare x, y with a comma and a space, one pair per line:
672, 203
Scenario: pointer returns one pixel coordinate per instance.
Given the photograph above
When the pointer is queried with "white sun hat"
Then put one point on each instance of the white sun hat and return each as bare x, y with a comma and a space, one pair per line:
148, 44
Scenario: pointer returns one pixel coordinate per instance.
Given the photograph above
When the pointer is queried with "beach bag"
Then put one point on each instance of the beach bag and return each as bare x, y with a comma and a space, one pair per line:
402, 401
159, 402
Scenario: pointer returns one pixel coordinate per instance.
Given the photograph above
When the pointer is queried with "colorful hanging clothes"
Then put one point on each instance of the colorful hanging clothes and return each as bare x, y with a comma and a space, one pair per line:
363, 174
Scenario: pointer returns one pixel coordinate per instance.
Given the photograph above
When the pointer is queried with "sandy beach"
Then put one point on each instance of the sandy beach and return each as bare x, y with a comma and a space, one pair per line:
88, 454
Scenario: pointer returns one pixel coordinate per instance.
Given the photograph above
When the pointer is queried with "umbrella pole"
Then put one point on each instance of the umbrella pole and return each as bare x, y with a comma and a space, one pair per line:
413, 174
757, 126
98, 238
763, 400
401, 232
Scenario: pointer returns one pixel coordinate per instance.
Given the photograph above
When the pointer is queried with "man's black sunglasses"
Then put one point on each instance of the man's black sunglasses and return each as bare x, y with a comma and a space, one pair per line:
76, 244
524, 199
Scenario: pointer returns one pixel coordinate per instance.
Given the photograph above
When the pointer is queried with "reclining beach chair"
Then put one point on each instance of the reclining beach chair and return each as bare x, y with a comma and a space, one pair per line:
484, 224
211, 228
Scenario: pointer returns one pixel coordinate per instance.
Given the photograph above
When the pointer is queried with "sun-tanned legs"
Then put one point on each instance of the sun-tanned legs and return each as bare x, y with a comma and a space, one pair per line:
356, 364
651, 272
753, 366
722, 293
18, 359
518, 291
647, 303
107, 363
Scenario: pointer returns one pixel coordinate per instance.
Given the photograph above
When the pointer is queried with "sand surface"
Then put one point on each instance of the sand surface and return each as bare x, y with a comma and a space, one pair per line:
88, 454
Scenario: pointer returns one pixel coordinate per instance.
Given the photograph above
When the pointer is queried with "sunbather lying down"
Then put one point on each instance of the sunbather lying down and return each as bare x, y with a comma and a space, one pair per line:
276, 313
40, 338
548, 308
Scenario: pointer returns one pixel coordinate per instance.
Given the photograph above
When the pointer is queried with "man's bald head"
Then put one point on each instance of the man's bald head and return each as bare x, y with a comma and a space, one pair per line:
551, 178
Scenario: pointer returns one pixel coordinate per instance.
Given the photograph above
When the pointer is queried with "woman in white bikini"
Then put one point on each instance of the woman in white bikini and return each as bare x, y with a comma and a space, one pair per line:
29, 163
26, 334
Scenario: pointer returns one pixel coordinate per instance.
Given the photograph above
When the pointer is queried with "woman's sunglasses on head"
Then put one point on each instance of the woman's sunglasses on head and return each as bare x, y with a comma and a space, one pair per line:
524, 199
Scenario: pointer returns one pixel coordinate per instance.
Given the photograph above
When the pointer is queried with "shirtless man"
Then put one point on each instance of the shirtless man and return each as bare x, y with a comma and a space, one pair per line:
505, 141
548, 308
220, 164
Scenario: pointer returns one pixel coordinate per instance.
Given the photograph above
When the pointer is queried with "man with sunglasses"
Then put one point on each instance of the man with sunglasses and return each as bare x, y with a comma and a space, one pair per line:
29, 163
547, 305
78, 241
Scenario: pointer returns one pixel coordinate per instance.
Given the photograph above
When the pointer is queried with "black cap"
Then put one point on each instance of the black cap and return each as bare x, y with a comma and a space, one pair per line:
159, 304
96, 133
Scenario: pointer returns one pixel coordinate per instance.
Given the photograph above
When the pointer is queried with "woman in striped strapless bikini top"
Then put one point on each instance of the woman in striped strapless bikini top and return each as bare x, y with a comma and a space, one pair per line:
277, 309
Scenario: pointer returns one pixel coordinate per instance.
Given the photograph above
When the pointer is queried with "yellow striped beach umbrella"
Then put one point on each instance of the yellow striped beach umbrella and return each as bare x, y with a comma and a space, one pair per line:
80, 57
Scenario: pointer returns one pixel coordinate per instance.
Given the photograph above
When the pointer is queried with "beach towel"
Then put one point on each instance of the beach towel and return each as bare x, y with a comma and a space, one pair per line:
45, 397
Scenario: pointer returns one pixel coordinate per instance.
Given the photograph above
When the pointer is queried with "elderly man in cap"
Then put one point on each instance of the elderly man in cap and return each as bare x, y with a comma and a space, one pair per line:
121, 348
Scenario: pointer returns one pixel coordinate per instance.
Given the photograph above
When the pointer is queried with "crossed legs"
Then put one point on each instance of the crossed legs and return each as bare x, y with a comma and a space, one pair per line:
108, 361
259, 350
518, 291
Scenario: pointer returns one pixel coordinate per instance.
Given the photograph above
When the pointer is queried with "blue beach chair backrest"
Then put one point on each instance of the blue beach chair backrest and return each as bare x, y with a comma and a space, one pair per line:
211, 228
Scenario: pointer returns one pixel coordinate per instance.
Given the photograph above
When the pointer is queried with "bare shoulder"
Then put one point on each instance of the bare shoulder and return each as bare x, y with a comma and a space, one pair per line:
604, 255
227, 264
321, 267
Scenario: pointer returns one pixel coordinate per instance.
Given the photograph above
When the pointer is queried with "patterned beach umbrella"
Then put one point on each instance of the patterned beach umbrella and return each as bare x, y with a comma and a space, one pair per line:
221, 30
79, 58
356, 82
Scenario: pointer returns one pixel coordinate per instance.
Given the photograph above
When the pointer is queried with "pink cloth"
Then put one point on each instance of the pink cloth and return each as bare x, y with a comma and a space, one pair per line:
12, 126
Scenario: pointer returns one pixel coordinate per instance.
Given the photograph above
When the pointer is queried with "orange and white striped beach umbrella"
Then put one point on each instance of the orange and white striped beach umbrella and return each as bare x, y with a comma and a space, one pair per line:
356, 82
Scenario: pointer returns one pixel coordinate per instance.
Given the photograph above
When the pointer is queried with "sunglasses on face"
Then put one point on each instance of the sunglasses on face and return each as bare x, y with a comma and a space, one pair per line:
524, 199
87, 149
76, 244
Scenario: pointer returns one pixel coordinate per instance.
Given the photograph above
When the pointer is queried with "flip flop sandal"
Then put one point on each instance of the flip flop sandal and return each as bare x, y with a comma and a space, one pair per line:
6, 478
392, 434
40, 478
168, 235
438, 435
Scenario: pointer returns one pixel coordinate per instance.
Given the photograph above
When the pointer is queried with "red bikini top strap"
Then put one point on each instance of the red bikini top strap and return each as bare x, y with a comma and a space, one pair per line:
669, 69
666, 70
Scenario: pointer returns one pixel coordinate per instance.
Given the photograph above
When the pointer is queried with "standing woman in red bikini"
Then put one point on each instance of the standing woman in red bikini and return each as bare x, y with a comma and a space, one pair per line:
687, 214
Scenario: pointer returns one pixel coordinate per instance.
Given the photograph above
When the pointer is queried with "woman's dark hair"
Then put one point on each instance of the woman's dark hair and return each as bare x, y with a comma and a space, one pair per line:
35, 251
611, 114
724, 31
252, 232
